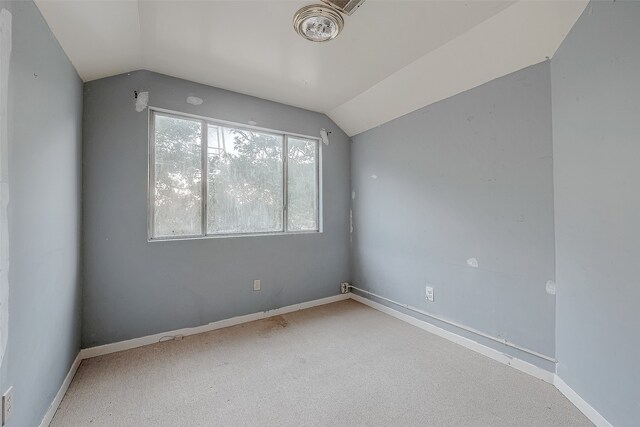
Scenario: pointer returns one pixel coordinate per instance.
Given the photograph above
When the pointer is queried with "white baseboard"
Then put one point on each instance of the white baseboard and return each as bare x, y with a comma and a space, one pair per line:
593, 415
496, 355
87, 353
526, 367
48, 416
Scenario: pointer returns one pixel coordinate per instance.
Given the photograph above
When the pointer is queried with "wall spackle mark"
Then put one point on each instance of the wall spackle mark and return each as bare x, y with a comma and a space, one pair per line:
142, 100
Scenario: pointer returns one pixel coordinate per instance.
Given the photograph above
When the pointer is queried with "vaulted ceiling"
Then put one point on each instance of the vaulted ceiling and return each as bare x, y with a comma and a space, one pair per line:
392, 57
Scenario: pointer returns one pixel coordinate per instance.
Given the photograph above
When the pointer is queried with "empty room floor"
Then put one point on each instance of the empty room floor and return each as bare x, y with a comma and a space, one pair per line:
338, 364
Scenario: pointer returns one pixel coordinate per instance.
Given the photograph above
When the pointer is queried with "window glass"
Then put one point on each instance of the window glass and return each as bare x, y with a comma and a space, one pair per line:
245, 181
302, 185
178, 189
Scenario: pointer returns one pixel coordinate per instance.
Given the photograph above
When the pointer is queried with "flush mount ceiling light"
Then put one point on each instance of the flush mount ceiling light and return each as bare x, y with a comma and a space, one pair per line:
318, 23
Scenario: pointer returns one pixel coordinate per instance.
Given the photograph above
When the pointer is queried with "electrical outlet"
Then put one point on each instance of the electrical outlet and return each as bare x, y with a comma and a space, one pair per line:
429, 293
7, 405
344, 287
256, 285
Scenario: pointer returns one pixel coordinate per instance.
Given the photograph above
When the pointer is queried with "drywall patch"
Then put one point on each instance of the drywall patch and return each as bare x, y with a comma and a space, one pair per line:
5, 57
353, 195
194, 100
324, 135
351, 221
142, 100
472, 262
374, 176
550, 287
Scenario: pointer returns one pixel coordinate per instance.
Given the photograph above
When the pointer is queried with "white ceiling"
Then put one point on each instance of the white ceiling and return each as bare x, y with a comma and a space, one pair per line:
391, 58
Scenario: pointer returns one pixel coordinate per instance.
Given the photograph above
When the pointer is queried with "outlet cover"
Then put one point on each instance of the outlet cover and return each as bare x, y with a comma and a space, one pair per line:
429, 293
256, 285
7, 405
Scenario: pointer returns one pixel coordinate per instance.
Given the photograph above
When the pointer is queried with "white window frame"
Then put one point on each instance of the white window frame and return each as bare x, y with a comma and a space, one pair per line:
205, 121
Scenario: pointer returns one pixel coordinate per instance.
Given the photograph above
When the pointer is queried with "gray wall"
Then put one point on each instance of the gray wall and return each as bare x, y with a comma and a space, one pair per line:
467, 177
44, 114
134, 288
596, 136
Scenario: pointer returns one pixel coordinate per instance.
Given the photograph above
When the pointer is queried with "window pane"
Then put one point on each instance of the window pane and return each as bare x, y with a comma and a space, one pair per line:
177, 204
245, 193
302, 185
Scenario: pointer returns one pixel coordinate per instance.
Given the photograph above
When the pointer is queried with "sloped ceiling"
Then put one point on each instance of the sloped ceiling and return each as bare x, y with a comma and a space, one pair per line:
392, 58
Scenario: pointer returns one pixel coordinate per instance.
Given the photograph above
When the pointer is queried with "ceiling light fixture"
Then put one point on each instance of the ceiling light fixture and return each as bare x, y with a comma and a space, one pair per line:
318, 23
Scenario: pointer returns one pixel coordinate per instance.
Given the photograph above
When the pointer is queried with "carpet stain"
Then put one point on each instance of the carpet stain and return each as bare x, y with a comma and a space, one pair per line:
272, 325
278, 321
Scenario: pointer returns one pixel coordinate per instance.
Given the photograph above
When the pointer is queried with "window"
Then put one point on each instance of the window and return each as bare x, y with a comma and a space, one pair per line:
209, 178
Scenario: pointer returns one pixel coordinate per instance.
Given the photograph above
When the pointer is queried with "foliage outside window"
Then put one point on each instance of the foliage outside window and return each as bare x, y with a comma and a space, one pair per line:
209, 178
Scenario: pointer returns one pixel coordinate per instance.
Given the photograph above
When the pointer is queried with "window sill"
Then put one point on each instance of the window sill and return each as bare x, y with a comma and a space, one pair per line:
228, 236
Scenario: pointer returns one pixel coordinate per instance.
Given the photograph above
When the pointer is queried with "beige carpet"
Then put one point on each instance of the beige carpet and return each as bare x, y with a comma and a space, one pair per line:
342, 364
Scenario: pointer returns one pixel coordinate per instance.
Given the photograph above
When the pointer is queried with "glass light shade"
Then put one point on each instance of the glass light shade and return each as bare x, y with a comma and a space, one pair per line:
318, 23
